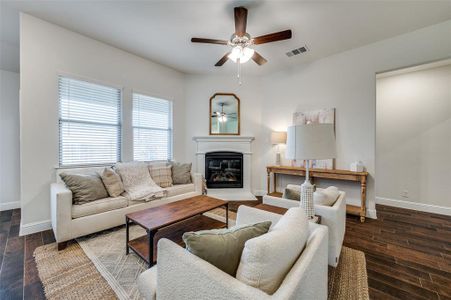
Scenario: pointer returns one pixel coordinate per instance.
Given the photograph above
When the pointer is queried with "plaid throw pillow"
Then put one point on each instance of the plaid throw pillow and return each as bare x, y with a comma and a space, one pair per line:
162, 175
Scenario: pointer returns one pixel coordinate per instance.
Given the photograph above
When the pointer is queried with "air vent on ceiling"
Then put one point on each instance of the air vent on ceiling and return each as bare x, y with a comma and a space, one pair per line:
297, 51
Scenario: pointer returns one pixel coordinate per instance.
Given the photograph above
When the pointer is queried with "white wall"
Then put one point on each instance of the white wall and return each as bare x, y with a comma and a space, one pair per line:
413, 139
48, 50
347, 82
199, 89
9, 141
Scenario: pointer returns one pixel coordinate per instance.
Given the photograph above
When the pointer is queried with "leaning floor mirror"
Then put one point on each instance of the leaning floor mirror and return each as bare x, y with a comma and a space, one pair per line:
224, 114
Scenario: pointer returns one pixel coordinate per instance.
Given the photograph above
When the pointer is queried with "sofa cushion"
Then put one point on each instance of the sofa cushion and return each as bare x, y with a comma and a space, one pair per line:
223, 247
161, 175
181, 173
180, 189
84, 187
292, 194
137, 181
112, 182
98, 206
326, 197
267, 259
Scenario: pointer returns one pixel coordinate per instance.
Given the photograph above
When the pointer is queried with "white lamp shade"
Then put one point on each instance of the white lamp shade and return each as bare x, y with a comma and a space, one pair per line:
278, 137
311, 141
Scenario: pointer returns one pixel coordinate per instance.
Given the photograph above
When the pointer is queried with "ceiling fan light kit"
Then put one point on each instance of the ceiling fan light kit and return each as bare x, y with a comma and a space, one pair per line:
241, 42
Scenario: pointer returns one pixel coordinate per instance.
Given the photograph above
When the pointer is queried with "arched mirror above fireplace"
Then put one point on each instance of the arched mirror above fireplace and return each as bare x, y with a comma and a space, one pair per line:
224, 114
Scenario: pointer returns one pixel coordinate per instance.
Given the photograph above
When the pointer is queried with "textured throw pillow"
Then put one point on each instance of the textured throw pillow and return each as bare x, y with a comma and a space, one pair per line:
326, 197
85, 187
161, 175
181, 173
223, 247
292, 194
267, 259
112, 182
137, 181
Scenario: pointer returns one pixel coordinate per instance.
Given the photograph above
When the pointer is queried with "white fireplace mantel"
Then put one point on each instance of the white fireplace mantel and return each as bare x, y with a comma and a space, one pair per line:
219, 138
242, 144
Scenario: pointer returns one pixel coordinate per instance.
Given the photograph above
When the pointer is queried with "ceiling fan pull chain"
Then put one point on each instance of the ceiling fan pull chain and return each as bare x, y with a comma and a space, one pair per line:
239, 71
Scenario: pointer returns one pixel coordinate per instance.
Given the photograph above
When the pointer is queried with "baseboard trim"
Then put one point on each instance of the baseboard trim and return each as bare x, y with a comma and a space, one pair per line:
435, 209
30, 228
9, 205
371, 213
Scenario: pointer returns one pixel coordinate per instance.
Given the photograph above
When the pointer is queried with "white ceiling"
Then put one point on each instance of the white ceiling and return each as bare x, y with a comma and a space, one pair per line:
161, 30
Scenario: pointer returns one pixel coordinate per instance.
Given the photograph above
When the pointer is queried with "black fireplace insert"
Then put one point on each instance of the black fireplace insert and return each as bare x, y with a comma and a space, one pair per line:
224, 169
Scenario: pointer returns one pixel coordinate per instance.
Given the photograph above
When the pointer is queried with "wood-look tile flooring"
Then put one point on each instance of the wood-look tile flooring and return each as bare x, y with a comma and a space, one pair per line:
408, 255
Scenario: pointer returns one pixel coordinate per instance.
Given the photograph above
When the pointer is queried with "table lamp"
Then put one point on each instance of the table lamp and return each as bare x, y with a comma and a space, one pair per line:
278, 138
306, 142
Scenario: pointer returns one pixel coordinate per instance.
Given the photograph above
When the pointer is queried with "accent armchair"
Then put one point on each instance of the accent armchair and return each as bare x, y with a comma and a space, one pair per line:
182, 275
334, 217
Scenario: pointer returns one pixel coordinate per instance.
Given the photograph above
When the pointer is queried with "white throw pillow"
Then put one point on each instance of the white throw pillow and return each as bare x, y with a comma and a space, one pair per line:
267, 259
326, 197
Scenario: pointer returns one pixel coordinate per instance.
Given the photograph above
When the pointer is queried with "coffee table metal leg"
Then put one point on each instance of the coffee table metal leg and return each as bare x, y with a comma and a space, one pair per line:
126, 236
151, 235
227, 215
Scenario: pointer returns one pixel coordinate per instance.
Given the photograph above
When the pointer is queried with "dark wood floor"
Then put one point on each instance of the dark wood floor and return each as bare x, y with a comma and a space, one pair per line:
408, 255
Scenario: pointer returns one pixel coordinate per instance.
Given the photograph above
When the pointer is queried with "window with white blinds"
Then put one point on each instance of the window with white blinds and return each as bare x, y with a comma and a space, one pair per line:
152, 128
89, 123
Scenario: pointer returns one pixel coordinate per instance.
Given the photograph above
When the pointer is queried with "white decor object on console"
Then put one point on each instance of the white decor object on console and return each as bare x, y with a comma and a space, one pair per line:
306, 142
357, 166
240, 144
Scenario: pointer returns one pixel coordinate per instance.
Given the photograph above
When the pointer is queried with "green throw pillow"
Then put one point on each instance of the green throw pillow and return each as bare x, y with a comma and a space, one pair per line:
85, 187
291, 194
223, 247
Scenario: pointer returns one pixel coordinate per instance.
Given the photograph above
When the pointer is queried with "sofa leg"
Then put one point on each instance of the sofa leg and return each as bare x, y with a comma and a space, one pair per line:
62, 246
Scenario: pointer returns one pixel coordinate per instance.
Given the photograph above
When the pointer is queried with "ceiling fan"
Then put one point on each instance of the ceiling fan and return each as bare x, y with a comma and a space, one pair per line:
241, 41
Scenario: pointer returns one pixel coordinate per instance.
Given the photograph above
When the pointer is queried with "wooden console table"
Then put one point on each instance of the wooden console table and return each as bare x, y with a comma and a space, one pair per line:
360, 177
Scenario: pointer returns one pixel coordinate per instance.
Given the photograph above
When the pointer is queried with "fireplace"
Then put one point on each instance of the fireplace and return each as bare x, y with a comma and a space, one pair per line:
224, 169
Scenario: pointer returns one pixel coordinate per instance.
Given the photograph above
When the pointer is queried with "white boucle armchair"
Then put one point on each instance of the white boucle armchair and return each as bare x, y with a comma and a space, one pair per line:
334, 217
182, 275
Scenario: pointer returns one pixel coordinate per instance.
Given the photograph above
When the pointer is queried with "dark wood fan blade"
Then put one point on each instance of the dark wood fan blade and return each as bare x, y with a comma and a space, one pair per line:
240, 20
273, 37
222, 60
260, 60
208, 41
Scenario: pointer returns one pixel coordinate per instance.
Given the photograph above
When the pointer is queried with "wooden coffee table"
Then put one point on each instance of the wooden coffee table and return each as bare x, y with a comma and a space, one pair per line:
171, 221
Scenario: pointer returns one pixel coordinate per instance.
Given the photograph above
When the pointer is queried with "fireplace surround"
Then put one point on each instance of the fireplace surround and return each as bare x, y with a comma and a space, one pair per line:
231, 144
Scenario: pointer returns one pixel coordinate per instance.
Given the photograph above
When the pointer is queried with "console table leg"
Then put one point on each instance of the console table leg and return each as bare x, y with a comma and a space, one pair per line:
363, 199
275, 182
268, 182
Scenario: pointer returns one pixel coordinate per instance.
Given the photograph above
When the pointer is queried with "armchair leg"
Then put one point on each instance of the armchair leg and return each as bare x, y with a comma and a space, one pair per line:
62, 246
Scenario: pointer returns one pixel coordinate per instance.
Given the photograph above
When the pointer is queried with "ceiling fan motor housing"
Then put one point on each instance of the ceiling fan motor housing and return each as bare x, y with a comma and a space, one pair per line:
242, 41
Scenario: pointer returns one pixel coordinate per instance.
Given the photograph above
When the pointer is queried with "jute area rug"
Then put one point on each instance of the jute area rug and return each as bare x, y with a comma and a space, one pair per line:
97, 268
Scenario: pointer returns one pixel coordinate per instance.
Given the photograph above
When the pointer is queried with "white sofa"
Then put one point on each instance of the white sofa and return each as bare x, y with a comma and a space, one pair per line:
334, 217
71, 221
182, 275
